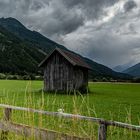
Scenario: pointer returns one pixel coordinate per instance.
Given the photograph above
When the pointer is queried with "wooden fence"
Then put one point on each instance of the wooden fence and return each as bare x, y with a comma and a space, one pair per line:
6, 125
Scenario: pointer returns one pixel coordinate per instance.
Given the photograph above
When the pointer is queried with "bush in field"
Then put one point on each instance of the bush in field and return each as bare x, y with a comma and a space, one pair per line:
10, 77
16, 77
95, 80
20, 77
26, 77
38, 77
2, 76
104, 79
136, 80
32, 77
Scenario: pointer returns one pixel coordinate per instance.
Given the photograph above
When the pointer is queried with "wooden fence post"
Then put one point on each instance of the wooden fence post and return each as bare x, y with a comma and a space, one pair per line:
7, 117
102, 132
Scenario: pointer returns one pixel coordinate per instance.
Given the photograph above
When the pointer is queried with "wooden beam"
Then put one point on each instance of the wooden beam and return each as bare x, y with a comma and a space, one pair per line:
27, 130
57, 114
71, 116
36, 133
7, 117
102, 132
7, 114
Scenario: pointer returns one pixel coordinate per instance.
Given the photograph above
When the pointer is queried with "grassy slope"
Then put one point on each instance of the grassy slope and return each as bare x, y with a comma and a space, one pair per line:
116, 101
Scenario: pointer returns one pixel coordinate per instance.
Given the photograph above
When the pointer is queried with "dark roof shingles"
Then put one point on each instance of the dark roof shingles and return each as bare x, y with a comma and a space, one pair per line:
72, 57
76, 58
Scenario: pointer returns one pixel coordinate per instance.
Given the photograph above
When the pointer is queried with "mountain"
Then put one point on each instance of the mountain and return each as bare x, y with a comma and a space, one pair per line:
99, 70
21, 50
17, 56
134, 70
32, 37
121, 68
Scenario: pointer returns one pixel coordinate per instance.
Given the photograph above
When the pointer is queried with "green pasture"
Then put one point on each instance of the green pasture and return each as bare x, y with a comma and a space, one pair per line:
111, 101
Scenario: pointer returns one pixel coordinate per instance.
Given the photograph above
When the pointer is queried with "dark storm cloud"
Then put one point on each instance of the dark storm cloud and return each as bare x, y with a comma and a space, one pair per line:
48, 16
104, 30
69, 15
58, 17
62, 22
92, 9
129, 5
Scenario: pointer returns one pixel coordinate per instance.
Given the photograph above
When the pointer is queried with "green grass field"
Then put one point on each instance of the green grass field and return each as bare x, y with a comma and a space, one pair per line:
111, 101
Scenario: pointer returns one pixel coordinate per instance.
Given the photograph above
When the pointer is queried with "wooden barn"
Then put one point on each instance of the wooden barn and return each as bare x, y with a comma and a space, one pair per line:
65, 71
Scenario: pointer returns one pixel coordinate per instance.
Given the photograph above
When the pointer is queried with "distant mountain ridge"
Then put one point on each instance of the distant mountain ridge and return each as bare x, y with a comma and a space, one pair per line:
134, 70
121, 68
100, 70
21, 50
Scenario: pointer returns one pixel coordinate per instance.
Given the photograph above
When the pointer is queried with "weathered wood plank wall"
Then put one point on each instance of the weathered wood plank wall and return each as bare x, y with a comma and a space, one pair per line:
59, 74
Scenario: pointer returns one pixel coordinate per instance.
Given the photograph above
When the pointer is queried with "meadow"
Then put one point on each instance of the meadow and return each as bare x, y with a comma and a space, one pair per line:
110, 101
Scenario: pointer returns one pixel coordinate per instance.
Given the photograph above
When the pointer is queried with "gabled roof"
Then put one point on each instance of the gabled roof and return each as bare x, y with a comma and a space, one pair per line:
73, 58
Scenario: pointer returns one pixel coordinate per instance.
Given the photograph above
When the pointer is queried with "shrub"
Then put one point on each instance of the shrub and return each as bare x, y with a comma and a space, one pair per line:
20, 77
136, 80
32, 77
26, 77
38, 77
10, 77
104, 79
2, 76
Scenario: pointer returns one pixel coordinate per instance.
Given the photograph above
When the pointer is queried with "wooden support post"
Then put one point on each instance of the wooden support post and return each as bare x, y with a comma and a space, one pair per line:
7, 114
7, 117
102, 132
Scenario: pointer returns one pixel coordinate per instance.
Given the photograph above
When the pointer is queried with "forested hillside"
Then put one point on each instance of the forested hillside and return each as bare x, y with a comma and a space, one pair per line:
21, 50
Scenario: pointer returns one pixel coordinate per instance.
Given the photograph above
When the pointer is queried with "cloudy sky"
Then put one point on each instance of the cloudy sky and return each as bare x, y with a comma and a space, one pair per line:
107, 31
